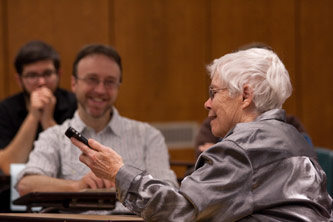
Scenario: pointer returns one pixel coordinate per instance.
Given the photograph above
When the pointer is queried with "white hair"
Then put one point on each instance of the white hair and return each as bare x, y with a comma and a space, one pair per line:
259, 68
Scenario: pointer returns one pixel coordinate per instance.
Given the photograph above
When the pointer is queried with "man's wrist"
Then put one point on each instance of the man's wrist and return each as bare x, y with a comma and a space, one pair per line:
75, 185
46, 123
33, 116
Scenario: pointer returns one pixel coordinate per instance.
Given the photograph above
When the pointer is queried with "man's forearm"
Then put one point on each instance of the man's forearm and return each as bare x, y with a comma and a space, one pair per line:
19, 148
42, 183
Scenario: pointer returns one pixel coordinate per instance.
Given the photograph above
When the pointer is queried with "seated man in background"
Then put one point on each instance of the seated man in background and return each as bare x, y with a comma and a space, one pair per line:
262, 170
205, 138
54, 165
40, 105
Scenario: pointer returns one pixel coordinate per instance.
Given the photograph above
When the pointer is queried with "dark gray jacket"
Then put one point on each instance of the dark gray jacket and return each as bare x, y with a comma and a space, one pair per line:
262, 171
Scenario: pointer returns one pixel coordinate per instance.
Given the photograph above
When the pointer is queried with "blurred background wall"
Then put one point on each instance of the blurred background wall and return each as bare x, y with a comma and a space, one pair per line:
166, 44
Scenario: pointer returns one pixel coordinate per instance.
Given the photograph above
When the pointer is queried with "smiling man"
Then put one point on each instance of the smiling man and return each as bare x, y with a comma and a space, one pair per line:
262, 170
40, 105
54, 164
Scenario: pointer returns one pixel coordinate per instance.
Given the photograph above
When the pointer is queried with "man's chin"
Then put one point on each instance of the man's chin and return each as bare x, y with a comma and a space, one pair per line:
96, 114
26, 92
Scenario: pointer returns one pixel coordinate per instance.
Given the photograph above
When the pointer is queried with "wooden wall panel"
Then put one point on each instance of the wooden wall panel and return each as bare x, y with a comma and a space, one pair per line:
237, 23
186, 155
315, 64
163, 45
67, 25
3, 70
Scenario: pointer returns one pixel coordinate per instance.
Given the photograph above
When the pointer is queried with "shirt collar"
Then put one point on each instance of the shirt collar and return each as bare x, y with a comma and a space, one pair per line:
114, 123
277, 114
77, 123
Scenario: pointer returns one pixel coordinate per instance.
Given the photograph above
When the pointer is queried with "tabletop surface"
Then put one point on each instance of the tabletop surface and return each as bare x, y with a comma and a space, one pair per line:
66, 217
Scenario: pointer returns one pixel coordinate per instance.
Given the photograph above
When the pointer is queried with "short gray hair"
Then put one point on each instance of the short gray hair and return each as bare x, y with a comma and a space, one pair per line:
259, 68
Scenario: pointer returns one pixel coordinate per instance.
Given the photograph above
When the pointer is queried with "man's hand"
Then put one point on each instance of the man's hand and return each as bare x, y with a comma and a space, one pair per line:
102, 160
90, 180
49, 101
42, 104
205, 147
36, 104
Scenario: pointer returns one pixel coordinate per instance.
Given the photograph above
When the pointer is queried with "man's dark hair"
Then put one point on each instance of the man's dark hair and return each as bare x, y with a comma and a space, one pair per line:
35, 51
99, 49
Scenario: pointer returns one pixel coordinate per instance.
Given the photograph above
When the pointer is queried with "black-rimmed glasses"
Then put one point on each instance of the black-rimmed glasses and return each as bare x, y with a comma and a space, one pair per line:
33, 77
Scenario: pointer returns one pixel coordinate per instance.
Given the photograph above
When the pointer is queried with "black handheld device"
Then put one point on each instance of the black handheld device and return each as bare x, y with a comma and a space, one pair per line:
71, 132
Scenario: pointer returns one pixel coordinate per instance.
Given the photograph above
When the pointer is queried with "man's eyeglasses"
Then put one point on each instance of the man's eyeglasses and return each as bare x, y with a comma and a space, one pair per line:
212, 91
33, 77
94, 82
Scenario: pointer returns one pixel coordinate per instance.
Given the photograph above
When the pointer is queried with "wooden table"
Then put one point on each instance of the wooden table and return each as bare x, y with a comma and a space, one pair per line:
35, 217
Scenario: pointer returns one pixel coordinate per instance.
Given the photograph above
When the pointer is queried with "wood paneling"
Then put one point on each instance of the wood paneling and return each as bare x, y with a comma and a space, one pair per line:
163, 48
186, 155
67, 25
315, 64
237, 23
3, 70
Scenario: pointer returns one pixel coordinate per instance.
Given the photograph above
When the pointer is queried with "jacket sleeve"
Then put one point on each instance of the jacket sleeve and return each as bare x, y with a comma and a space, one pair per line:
218, 189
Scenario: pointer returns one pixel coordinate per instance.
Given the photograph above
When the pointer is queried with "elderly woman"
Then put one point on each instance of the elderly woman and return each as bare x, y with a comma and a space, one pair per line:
262, 170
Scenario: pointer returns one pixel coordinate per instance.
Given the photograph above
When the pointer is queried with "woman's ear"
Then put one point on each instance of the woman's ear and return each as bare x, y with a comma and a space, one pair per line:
247, 96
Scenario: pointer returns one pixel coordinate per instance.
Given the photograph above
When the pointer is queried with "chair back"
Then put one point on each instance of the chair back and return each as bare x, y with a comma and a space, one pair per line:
15, 169
325, 159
